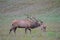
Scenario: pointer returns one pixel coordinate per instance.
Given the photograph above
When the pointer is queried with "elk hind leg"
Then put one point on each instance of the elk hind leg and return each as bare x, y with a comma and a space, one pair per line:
15, 29
10, 30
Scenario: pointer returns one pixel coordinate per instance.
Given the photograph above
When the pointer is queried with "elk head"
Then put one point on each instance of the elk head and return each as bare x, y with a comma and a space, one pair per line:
38, 23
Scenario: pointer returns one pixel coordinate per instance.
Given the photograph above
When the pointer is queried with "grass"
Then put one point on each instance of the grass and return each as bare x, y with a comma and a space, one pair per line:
51, 17
53, 29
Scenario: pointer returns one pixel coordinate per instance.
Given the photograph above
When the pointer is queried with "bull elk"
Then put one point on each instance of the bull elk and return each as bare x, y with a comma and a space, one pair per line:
28, 24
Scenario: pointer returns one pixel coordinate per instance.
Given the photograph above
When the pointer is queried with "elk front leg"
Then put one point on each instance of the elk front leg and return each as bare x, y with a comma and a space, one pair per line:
29, 30
25, 30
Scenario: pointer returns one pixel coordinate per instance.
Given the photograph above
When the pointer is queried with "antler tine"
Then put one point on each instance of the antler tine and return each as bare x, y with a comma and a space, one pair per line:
35, 19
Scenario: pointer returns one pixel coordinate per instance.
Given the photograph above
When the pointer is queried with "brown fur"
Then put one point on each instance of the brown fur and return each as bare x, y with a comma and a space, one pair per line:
26, 23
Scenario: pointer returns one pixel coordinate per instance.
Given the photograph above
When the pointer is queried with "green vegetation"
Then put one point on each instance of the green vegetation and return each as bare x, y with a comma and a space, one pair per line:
48, 11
